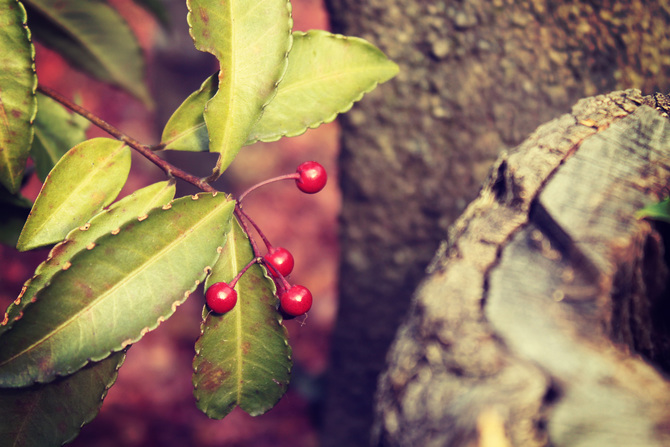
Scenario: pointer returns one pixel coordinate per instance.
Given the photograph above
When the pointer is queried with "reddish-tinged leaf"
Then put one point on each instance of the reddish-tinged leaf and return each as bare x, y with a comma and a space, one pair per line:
242, 357
17, 93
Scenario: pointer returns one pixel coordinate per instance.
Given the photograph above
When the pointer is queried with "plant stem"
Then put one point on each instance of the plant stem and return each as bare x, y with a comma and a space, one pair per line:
244, 270
294, 176
240, 212
144, 150
282, 281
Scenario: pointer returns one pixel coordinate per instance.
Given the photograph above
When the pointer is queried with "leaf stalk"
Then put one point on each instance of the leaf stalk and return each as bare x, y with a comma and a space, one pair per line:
146, 151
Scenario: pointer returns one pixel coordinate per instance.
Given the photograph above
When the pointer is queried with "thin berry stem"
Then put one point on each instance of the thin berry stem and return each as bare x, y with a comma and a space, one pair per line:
257, 260
277, 274
238, 208
240, 218
293, 176
144, 150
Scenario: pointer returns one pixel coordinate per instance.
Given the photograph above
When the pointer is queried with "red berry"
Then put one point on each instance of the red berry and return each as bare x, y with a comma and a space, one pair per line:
313, 177
296, 301
281, 259
220, 297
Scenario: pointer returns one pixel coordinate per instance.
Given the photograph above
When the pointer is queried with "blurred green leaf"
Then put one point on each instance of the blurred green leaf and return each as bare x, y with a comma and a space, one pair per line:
52, 414
56, 132
656, 211
242, 357
251, 40
118, 289
17, 93
85, 180
131, 207
93, 37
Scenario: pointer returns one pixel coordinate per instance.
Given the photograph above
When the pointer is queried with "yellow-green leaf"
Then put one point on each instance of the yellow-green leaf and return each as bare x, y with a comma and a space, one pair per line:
17, 93
251, 40
242, 357
326, 74
85, 180
131, 207
118, 289
186, 130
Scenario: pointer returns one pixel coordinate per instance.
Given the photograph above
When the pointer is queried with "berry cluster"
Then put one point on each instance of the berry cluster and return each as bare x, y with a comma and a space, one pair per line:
294, 300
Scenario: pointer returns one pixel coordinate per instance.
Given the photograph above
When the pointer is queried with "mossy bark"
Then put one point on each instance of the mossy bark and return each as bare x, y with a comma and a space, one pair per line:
476, 78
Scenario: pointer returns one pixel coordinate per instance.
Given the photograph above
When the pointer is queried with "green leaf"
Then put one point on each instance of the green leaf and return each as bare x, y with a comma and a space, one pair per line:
656, 211
52, 414
118, 289
92, 36
326, 74
242, 357
186, 130
17, 93
14, 209
131, 207
56, 131
85, 180
251, 39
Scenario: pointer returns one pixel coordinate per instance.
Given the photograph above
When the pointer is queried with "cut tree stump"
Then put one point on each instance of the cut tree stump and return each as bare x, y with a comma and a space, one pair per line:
544, 318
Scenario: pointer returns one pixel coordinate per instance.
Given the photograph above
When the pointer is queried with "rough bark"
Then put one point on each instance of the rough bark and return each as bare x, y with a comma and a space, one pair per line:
548, 296
477, 76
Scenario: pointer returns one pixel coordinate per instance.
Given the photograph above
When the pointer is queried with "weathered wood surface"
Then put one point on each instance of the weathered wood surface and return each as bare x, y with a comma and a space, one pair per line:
476, 77
544, 310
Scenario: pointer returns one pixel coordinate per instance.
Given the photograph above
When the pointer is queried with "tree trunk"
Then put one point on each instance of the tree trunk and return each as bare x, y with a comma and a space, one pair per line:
476, 77
542, 306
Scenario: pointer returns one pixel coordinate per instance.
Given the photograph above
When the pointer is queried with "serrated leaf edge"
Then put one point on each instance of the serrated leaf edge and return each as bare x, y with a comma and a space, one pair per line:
219, 168
332, 117
21, 244
33, 92
205, 317
125, 343
112, 380
5, 324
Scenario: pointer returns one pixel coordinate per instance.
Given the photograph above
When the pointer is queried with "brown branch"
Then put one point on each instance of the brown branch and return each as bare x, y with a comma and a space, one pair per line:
144, 150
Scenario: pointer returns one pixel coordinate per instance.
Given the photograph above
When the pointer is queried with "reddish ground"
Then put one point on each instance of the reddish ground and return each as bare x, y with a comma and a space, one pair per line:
151, 403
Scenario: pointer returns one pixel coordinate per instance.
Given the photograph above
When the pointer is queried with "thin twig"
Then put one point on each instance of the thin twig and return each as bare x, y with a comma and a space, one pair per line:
240, 211
146, 151
293, 176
